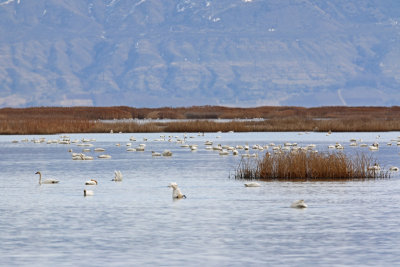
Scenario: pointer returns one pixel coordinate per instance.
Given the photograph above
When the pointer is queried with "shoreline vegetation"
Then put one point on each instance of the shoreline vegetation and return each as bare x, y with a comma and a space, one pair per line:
309, 166
53, 120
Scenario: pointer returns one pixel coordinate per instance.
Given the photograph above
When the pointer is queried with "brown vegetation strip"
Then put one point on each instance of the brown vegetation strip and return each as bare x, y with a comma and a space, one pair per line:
50, 120
308, 166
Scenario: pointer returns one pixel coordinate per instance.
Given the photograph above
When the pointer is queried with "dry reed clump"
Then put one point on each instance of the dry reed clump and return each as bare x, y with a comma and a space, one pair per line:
308, 166
44, 126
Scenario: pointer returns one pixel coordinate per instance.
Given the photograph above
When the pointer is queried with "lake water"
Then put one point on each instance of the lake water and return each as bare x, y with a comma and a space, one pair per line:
221, 223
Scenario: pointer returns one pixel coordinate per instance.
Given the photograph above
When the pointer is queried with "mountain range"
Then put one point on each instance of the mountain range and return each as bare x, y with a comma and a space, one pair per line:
154, 53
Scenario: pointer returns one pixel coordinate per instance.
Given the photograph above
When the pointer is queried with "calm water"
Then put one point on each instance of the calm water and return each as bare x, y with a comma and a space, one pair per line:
221, 223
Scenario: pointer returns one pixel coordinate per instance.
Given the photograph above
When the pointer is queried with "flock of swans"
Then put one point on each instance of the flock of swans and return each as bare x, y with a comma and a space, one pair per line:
176, 192
186, 142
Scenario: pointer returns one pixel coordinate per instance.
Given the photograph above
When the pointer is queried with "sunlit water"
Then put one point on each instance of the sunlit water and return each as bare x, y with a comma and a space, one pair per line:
221, 223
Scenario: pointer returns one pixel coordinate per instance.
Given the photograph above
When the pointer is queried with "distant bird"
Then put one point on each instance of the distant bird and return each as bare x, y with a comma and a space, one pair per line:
223, 152
47, 181
117, 176
252, 184
88, 193
91, 182
299, 204
104, 156
375, 167
394, 169
176, 192
155, 154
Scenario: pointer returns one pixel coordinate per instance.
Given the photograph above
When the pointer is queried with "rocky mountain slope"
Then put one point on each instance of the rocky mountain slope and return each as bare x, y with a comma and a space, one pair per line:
195, 52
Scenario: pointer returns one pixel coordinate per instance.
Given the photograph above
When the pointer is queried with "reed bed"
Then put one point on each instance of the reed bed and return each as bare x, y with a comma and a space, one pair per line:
53, 125
309, 166
44, 126
51, 120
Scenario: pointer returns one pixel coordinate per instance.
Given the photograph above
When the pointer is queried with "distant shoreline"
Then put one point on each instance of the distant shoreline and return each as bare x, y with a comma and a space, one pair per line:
52, 120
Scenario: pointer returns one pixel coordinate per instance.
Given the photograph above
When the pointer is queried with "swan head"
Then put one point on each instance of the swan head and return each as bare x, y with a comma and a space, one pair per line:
94, 180
173, 185
37, 172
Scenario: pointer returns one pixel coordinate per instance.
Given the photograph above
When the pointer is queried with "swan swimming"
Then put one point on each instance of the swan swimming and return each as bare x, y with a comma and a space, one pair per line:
117, 176
47, 181
299, 204
252, 184
394, 169
176, 192
88, 193
104, 156
155, 154
91, 182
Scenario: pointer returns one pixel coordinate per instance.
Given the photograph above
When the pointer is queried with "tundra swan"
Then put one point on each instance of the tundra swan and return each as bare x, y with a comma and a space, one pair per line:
394, 169
104, 156
141, 147
373, 148
299, 204
91, 182
252, 184
223, 152
176, 192
88, 193
375, 167
117, 176
155, 154
47, 181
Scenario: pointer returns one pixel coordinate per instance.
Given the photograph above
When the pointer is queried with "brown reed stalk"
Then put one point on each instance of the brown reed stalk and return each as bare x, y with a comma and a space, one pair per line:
301, 165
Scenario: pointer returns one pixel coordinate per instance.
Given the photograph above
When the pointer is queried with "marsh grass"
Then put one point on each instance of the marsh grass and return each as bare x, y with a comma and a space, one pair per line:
52, 120
308, 166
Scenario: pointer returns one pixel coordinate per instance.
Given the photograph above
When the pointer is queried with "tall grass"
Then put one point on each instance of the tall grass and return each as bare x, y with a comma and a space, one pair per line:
88, 119
308, 166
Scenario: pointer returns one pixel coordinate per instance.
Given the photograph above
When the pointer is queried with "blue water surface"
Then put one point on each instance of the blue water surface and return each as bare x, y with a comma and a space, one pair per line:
220, 223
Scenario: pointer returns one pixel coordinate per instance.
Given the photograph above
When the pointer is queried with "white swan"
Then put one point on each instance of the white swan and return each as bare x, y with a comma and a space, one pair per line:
176, 192
155, 154
252, 184
373, 148
91, 182
104, 156
394, 169
117, 176
223, 152
375, 167
141, 147
47, 181
299, 204
88, 193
